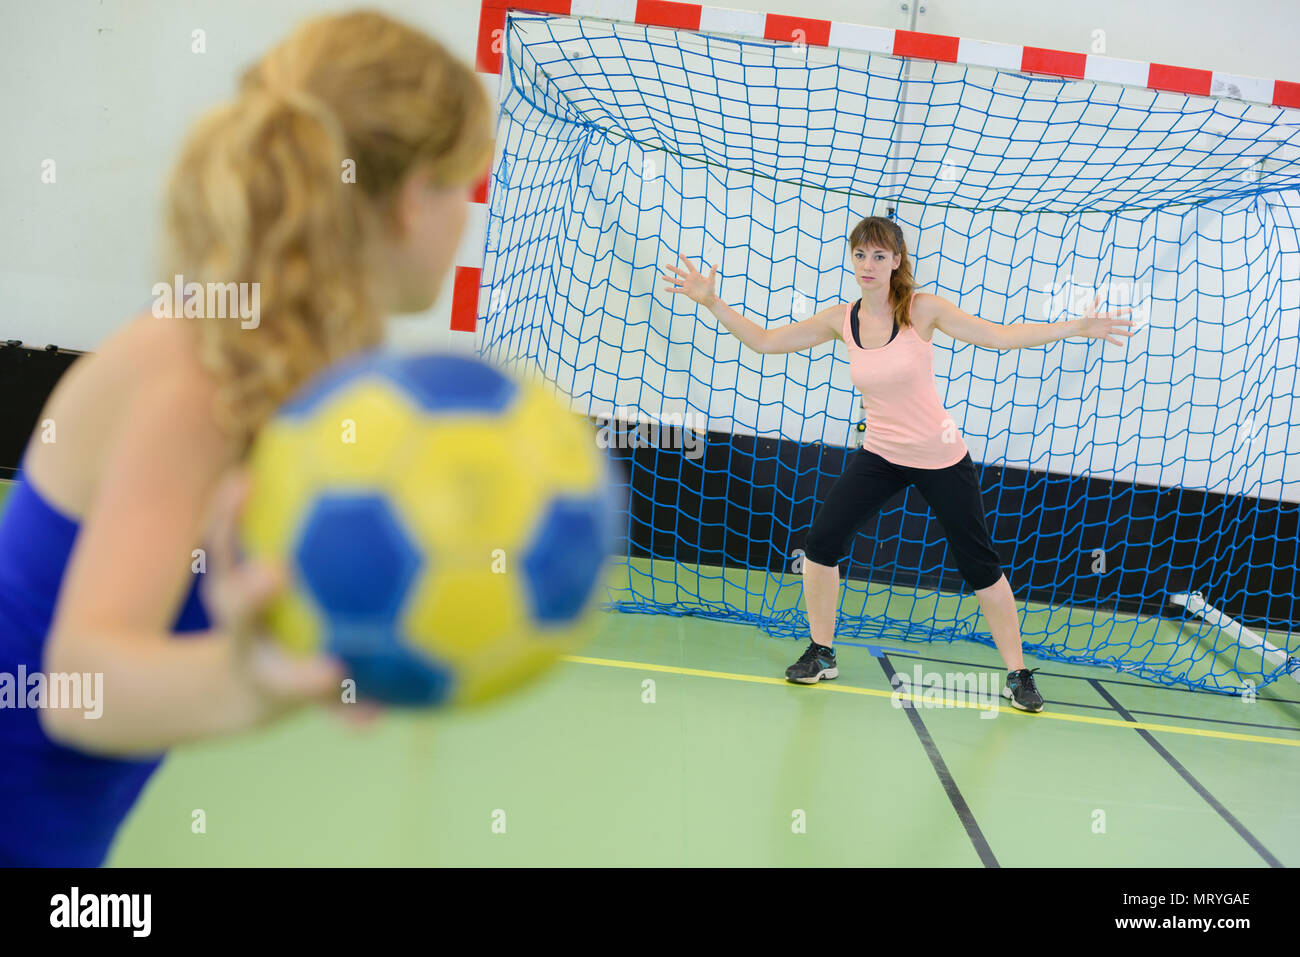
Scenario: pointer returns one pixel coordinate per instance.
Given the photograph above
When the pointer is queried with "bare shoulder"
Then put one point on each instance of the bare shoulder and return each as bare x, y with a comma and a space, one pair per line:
161, 357
832, 317
170, 341
144, 354
925, 313
145, 375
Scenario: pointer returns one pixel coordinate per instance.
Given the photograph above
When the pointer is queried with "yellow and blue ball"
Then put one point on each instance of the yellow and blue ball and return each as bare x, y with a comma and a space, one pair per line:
445, 526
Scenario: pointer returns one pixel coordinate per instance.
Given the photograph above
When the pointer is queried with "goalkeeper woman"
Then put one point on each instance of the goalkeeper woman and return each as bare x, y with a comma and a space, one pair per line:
910, 440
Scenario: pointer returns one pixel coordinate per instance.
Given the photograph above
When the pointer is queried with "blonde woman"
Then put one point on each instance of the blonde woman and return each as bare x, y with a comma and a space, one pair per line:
96, 541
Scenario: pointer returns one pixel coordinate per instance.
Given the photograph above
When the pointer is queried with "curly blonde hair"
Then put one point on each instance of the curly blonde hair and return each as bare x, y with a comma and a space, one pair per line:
259, 194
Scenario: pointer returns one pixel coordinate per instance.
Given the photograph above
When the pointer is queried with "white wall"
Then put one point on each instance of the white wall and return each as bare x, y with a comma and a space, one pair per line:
107, 89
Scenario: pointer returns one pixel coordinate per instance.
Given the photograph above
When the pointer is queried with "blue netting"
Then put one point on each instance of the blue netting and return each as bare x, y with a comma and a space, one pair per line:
1019, 197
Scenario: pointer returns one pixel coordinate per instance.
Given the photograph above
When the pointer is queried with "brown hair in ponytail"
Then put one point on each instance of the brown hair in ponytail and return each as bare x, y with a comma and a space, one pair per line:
886, 234
259, 194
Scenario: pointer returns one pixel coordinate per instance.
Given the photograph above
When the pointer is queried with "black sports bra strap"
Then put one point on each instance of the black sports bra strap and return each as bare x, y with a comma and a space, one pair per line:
853, 321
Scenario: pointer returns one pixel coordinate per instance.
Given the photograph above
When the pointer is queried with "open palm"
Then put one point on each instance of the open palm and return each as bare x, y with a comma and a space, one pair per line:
1104, 325
689, 281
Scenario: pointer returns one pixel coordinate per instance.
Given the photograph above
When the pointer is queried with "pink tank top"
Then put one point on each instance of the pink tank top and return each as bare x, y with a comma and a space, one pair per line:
906, 422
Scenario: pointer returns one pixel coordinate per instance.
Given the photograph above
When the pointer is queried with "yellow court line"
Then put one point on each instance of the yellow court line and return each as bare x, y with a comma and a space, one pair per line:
901, 695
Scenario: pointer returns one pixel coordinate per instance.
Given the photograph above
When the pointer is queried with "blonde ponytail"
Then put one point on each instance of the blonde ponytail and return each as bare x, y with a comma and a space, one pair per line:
262, 194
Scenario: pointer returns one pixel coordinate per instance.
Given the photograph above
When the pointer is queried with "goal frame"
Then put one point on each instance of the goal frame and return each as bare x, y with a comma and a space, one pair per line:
901, 44
887, 41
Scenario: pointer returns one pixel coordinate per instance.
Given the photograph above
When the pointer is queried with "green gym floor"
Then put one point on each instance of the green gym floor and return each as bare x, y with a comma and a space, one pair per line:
676, 741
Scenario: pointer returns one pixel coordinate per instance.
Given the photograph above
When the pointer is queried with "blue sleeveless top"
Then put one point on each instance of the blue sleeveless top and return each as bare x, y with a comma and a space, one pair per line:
58, 807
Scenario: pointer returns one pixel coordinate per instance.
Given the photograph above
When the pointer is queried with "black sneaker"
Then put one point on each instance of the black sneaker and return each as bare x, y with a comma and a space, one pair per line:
1022, 691
817, 662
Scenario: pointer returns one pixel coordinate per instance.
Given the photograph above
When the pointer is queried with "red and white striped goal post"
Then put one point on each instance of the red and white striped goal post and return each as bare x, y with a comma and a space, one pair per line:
781, 28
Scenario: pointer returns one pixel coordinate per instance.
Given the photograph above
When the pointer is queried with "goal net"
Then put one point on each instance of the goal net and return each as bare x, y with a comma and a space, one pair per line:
1115, 477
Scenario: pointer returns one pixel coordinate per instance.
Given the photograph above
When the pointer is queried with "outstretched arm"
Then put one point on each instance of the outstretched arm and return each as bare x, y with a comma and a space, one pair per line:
794, 337
1023, 335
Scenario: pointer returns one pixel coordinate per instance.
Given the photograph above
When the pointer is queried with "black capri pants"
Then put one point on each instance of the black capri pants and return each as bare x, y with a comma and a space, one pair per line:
953, 494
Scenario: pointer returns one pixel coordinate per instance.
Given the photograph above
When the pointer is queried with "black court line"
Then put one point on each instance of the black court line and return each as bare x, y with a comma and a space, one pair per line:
1088, 706
1199, 788
1061, 702
945, 777
1118, 682
1195, 717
